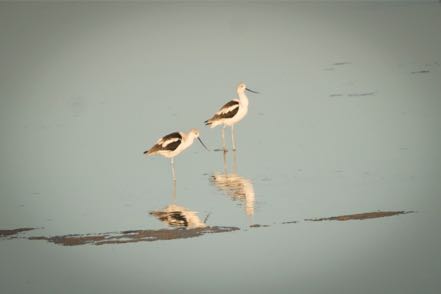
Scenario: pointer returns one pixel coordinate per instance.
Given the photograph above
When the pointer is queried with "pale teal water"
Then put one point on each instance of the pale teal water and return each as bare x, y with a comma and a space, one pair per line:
347, 121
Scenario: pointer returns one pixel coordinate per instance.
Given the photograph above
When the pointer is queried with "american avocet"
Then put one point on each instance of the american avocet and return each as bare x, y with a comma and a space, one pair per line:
173, 144
231, 113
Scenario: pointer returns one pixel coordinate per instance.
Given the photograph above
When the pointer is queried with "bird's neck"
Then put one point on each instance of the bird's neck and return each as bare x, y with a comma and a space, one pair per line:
243, 98
190, 138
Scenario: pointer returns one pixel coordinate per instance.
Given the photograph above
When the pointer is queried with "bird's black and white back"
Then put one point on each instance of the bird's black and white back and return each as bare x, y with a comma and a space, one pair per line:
229, 110
167, 143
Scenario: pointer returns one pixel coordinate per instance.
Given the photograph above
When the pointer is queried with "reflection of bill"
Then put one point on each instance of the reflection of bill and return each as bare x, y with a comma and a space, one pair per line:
179, 216
235, 186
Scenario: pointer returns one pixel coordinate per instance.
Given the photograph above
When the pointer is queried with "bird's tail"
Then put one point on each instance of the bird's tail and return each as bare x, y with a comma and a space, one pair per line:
148, 152
153, 150
212, 122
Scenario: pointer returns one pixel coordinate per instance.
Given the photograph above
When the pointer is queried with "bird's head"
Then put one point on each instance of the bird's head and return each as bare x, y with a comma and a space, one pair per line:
241, 88
195, 133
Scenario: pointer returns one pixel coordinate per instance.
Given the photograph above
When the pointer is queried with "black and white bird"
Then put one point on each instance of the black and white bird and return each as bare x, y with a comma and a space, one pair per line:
173, 144
231, 113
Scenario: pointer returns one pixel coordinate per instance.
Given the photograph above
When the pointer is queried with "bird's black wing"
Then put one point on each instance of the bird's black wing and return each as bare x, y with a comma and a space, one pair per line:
175, 135
167, 143
228, 110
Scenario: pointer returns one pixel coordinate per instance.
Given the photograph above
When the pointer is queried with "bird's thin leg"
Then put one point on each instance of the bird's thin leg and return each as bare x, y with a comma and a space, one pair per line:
223, 139
232, 138
234, 162
172, 162
174, 191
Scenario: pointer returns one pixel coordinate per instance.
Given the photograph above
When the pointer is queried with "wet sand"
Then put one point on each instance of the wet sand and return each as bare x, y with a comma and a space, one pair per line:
359, 216
132, 236
13, 232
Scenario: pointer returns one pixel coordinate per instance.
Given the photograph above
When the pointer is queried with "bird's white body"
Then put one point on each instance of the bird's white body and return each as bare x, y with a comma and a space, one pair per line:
243, 110
186, 141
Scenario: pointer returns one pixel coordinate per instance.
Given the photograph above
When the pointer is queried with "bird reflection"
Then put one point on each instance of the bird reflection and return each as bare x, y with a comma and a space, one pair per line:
235, 186
177, 216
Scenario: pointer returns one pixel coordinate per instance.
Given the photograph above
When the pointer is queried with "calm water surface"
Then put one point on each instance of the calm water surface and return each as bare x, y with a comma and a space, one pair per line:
347, 122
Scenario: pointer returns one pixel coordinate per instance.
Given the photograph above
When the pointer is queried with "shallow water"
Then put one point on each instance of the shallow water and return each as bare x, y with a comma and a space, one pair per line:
334, 187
